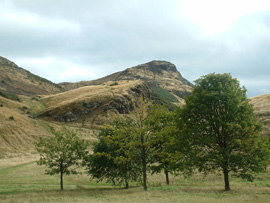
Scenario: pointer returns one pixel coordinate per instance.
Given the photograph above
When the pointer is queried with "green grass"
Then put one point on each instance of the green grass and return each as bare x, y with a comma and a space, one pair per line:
165, 94
27, 183
163, 97
34, 106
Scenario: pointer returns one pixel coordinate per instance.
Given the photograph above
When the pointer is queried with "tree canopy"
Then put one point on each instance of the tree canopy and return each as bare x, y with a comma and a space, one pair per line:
111, 159
62, 153
218, 123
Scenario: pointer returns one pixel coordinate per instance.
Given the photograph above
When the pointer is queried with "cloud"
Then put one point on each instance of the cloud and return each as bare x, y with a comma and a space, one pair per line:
84, 40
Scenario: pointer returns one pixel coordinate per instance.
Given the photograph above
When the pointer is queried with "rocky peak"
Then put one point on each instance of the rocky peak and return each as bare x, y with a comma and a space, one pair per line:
153, 72
158, 66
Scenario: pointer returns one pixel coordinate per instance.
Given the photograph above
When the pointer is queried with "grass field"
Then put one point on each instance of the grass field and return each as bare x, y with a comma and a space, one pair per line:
27, 183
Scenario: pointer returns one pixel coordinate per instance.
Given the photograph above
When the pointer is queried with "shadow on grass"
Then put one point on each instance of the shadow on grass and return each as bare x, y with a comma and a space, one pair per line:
76, 190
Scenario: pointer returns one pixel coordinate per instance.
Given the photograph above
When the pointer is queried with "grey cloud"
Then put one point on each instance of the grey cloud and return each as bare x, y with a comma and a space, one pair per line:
107, 36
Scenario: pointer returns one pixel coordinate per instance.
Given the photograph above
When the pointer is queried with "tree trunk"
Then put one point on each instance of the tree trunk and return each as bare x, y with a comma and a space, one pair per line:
127, 185
167, 177
226, 179
144, 176
61, 176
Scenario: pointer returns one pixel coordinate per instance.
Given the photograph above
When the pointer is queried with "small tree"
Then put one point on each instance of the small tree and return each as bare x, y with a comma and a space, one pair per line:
61, 153
160, 122
222, 130
111, 158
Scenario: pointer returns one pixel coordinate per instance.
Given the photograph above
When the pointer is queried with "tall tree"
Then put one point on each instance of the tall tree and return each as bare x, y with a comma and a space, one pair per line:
141, 146
111, 158
221, 128
160, 122
62, 153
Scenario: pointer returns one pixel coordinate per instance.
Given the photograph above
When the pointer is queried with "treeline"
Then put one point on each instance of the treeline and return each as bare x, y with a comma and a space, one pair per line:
215, 130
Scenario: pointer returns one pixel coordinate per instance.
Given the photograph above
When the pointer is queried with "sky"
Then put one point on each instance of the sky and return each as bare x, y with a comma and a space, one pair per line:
76, 40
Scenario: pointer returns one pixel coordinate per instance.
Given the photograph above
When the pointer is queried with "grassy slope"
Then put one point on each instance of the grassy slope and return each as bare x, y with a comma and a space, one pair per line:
69, 101
19, 81
18, 135
262, 110
27, 183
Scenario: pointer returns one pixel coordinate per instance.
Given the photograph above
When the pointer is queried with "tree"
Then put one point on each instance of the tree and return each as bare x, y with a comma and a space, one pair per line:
128, 142
141, 147
62, 153
111, 158
222, 130
160, 122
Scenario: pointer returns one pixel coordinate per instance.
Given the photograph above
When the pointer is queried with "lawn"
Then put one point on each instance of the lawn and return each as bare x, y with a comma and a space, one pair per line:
27, 183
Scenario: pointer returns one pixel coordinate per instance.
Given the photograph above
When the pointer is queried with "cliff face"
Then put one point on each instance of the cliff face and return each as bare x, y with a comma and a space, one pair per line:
16, 80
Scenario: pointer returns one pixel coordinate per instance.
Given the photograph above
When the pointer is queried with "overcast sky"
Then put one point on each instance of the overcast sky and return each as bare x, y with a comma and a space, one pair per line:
75, 40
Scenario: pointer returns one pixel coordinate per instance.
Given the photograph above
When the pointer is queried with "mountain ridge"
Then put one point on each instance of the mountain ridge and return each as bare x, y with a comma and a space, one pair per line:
158, 73
19, 81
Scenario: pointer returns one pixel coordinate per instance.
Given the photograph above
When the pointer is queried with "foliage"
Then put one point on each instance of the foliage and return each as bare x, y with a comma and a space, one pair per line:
141, 146
10, 96
160, 122
114, 83
222, 130
61, 153
126, 150
111, 160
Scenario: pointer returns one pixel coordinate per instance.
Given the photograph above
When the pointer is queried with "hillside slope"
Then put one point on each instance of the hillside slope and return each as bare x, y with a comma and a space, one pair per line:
18, 132
262, 110
16, 80
92, 106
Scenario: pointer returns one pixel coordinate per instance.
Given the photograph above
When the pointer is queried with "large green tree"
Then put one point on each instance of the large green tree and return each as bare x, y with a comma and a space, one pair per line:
221, 129
62, 153
111, 159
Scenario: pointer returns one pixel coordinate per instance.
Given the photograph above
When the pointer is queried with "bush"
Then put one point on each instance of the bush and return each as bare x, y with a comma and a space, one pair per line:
113, 84
10, 96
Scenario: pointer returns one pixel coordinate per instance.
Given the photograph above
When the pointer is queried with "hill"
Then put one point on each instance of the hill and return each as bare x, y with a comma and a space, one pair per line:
87, 105
262, 110
92, 106
18, 81
18, 132
159, 74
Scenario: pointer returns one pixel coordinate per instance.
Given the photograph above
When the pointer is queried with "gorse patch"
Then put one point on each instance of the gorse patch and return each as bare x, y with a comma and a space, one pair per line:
10, 96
